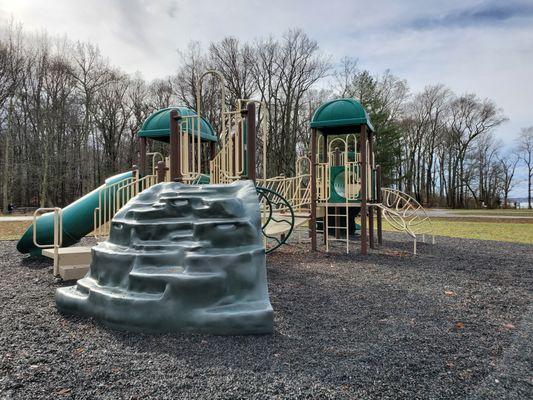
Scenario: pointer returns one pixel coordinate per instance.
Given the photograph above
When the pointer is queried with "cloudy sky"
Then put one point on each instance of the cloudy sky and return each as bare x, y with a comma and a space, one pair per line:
480, 46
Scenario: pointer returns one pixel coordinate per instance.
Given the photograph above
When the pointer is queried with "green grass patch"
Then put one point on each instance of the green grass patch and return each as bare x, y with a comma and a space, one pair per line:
504, 232
13, 230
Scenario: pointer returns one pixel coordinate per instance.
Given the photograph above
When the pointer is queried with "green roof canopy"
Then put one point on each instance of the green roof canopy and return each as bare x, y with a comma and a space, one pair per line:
340, 113
157, 125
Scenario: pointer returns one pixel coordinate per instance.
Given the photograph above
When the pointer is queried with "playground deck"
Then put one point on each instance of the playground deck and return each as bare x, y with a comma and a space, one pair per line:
453, 322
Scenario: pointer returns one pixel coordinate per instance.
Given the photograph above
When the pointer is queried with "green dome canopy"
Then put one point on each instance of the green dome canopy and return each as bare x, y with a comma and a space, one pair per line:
340, 113
157, 125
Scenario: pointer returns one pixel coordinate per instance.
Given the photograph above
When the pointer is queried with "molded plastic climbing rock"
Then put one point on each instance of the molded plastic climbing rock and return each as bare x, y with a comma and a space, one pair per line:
180, 258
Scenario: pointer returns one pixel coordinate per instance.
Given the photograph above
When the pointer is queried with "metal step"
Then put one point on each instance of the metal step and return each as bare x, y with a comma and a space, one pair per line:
73, 272
72, 262
70, 255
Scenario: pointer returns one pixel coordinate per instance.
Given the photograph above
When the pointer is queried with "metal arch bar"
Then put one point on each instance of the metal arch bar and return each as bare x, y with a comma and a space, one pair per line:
263, 193
222, 81
58, 227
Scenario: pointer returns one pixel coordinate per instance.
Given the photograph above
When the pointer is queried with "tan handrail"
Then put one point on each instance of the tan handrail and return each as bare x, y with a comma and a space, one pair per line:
155, 155
107, 209
58, 233
127, 192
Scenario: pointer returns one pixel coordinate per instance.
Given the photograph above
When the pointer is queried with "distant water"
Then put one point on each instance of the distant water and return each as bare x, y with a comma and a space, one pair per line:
523, 204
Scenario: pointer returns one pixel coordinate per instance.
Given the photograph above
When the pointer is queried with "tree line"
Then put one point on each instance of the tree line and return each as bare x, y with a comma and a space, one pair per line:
68, 118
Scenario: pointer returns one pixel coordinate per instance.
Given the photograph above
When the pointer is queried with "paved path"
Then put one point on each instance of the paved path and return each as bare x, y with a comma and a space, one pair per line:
16, 218
440, 212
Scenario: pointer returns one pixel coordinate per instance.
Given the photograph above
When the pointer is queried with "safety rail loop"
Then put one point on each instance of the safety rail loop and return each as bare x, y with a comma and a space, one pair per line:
58, 233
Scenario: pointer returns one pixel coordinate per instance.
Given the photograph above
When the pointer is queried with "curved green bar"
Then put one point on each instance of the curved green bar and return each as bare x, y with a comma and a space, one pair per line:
78, 220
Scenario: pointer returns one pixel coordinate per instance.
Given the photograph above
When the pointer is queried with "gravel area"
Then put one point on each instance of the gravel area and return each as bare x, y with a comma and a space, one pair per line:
453, 322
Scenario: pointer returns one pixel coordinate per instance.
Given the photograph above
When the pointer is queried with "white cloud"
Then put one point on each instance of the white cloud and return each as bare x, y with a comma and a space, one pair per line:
476, 46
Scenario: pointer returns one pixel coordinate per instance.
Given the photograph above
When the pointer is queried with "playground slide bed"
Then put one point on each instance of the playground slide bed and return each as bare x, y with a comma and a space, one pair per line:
454, 322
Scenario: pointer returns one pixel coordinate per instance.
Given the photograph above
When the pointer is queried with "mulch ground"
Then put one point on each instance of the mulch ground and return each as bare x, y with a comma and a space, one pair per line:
453, 322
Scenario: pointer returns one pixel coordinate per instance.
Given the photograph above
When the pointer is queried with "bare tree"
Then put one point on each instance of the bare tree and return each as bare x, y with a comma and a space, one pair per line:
285, 71
234, 60
470, 118
508, 165
525, 149
90, 72
112, 118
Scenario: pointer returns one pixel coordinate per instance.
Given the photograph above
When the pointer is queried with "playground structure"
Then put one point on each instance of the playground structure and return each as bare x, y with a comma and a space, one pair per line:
334, 183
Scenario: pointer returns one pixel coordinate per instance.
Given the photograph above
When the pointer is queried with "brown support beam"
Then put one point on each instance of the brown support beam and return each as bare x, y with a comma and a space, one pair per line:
250, 140
175, 146
379, 200
371, 227
371, 194
161, 171
142, 156
364, 234
312, 222
325, 159
212, 150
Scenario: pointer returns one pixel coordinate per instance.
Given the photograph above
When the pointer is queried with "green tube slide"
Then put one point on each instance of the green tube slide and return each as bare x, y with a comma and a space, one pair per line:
78, 220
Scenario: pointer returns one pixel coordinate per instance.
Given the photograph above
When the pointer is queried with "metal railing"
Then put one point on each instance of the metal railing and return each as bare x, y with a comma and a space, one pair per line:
228, 165
112, 198
58, 233
405, 214
107, 207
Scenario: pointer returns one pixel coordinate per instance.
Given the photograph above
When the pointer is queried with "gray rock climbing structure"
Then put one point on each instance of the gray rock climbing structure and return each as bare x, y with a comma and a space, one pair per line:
180, 258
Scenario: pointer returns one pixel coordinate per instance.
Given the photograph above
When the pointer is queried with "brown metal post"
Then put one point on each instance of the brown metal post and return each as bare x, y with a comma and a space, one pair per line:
175, 146
364, 236
142, 155
250, 140
212, 150
312, 222
370, 138
379, 200
371, 226
161, 171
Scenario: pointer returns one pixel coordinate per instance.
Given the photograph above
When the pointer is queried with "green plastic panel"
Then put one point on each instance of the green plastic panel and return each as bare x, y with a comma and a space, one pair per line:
337, 185
340, 112
157, 125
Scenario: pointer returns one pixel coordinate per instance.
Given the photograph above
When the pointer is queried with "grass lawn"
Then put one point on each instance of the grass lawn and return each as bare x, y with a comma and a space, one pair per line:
13, 230
490, 230
519, 231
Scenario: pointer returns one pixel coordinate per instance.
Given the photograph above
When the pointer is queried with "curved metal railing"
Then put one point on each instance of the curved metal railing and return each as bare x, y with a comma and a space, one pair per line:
277, 218
405, 214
